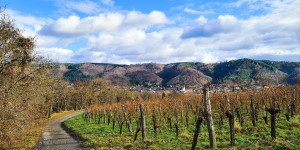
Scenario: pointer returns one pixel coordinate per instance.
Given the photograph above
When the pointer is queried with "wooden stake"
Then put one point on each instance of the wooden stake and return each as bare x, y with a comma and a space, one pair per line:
126, 119
253, 112
209, 119
143, 121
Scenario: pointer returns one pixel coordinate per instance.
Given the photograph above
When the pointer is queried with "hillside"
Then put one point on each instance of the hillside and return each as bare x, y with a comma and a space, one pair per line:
186, 73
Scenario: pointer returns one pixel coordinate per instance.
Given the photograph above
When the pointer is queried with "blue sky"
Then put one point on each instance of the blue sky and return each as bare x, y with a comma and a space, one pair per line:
160, 31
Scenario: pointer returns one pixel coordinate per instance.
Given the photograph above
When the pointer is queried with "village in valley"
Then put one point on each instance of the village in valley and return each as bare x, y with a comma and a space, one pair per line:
216, 88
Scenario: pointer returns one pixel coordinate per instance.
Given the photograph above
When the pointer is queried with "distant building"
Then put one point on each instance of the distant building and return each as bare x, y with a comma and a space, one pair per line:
183, 89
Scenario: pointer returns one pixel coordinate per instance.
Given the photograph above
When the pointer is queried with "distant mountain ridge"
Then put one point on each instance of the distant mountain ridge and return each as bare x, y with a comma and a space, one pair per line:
191, 74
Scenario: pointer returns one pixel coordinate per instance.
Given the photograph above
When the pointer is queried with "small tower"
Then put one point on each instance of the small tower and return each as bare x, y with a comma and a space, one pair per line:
183, 89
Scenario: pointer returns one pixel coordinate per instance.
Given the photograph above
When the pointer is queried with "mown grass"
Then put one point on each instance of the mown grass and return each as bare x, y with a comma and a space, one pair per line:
103, 136
30, 138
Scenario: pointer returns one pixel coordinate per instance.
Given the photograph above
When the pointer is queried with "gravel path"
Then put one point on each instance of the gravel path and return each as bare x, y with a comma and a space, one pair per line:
55, 137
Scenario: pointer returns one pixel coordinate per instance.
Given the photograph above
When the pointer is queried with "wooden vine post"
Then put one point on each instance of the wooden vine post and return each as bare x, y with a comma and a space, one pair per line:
100, 117
160, 113
293, 108
253, 113
265, 117
114, 118
176, 123
143, 121
238, 110
187, 116
287, 115
197, 131
110, 115
104, 112
273, 111
209, 119
230, 116
221, 115
155, 126
126, 119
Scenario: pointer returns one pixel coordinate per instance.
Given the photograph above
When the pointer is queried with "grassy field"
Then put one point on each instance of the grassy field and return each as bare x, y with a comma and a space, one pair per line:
103, 136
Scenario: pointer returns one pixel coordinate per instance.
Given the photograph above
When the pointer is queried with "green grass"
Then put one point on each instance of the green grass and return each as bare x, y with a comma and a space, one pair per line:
102, 136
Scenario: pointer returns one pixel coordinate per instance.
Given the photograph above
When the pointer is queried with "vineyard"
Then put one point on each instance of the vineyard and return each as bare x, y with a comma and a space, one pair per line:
266, 118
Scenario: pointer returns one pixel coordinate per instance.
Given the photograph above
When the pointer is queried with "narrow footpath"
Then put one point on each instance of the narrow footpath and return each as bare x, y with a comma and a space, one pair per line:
55, 137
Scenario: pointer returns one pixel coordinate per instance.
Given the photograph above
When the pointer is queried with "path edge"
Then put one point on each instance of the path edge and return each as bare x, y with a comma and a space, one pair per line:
69, 131
72, 133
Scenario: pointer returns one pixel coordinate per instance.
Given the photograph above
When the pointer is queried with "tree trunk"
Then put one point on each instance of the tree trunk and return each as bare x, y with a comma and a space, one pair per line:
50, 111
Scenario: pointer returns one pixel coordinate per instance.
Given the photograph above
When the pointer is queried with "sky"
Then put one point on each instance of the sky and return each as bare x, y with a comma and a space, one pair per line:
160, 31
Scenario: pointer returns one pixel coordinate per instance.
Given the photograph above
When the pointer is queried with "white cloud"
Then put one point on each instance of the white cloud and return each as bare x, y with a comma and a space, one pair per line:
241, 2
73, 26
86, 6
224, 38
30, 25
188, 10
261, 35
138, 19
164, 47
56, 54
135, 37
108, 2
127, 37
27, 23
224, 24
201, 20
197, 12
46, 41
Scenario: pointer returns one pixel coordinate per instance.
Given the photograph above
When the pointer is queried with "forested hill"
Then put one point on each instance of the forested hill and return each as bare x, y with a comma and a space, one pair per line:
185, 73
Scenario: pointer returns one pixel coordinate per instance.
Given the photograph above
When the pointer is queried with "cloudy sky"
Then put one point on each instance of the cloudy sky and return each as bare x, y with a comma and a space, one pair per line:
160, 31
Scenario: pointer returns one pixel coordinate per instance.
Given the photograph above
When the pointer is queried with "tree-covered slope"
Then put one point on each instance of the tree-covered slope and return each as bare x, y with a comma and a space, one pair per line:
187, 73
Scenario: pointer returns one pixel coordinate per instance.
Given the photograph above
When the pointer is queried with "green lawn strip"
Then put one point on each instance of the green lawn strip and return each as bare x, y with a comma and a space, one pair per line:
247, 137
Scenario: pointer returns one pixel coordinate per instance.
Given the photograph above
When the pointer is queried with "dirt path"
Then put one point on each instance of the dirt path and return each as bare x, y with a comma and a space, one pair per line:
55, 137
